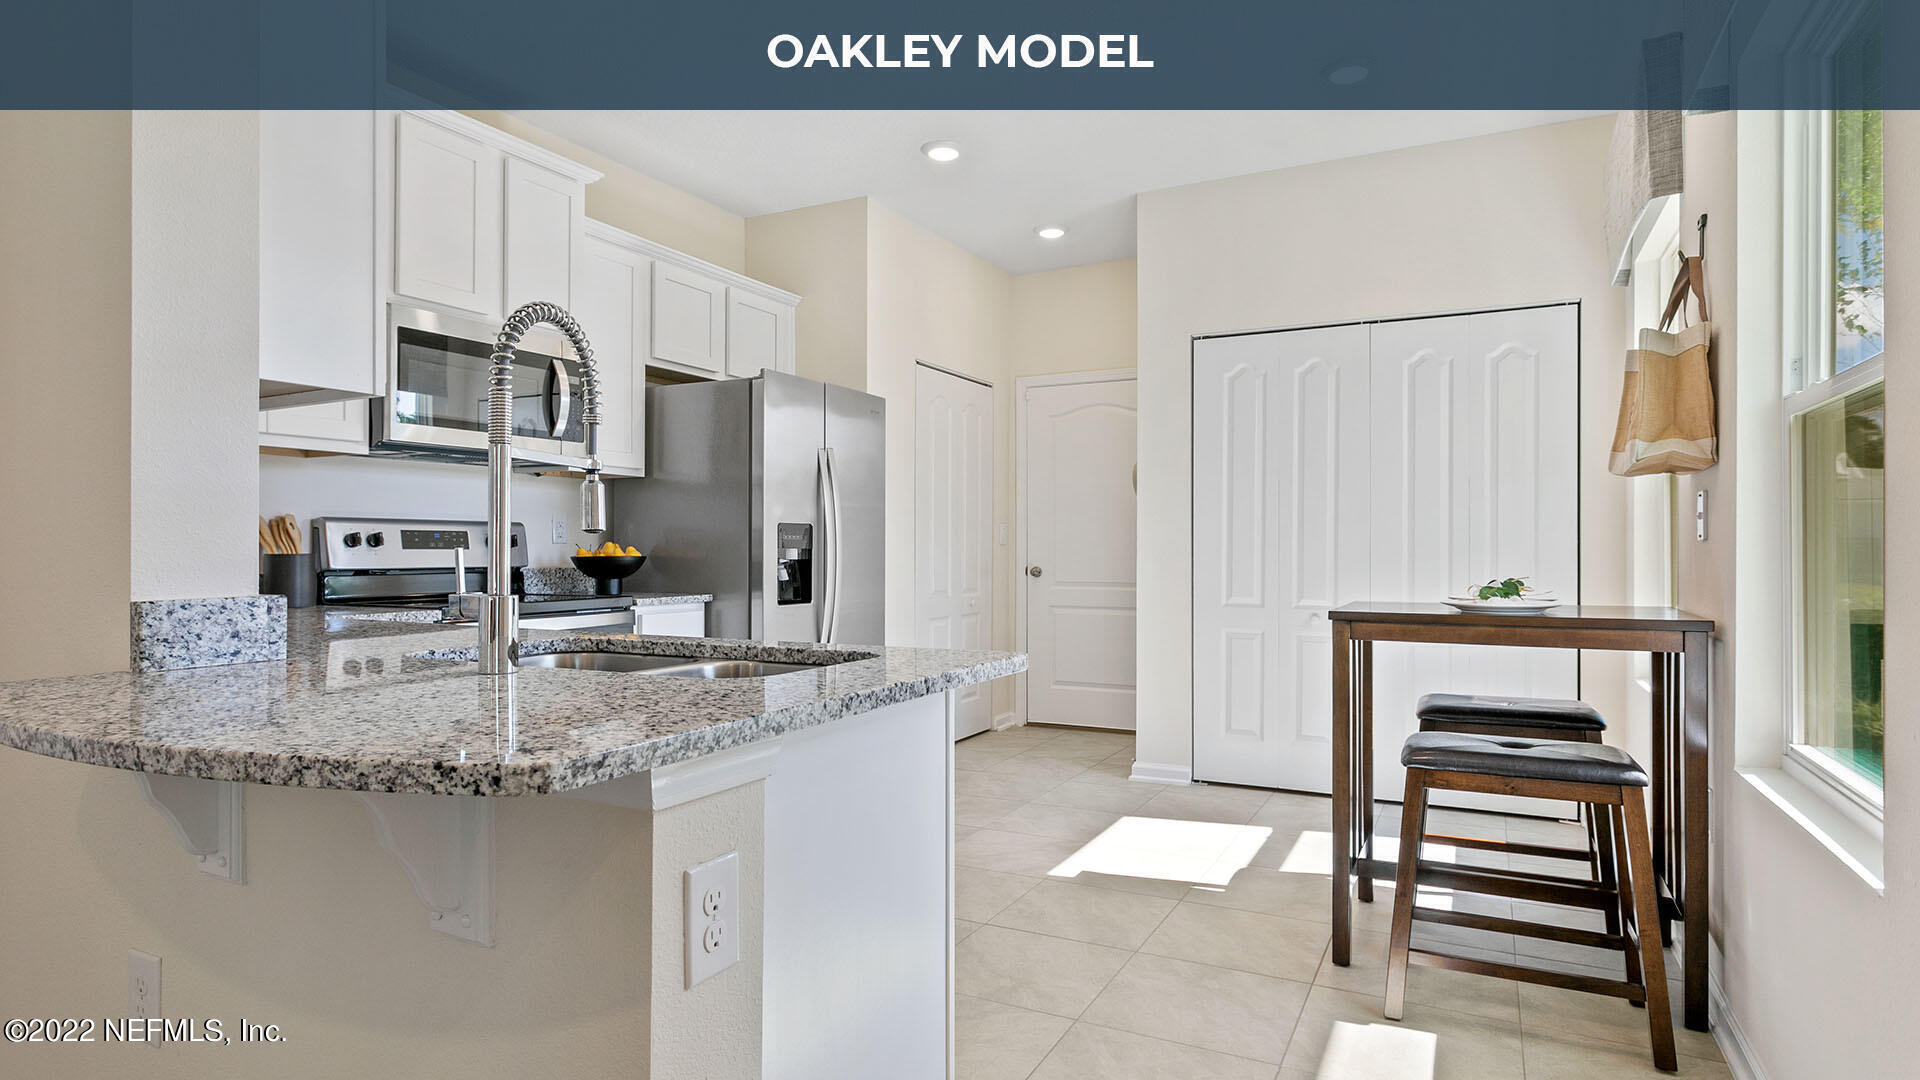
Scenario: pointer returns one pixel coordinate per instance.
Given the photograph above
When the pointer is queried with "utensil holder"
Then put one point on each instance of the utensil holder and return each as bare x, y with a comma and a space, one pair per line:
290, 576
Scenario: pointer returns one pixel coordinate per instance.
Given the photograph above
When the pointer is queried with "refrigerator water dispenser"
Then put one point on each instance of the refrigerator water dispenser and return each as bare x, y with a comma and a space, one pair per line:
793, 563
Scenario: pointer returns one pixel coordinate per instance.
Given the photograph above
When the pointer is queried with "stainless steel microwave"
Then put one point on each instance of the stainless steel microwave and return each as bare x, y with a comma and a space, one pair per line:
436, 401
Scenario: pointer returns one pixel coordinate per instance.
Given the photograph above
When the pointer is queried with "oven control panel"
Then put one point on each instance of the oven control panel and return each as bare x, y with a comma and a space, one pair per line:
401, 544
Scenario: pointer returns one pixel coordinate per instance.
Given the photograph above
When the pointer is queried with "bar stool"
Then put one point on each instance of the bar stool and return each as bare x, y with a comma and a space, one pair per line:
1602, 778
1528, 718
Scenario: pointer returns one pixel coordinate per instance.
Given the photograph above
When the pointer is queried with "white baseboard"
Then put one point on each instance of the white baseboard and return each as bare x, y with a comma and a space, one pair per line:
1006, 720
1148, 772
1727, 1033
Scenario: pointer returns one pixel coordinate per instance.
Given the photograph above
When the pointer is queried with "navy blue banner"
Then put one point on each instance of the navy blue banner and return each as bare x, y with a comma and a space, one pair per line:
1117, 54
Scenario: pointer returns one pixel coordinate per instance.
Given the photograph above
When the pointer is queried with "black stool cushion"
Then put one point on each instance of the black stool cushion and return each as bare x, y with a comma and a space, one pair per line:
1522, 759
1493, 711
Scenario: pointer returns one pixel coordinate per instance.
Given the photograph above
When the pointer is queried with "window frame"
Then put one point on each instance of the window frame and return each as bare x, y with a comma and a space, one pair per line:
1808, 383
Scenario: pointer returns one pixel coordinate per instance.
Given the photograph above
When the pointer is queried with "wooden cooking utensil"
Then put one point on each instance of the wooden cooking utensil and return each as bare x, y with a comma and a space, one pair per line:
289, 534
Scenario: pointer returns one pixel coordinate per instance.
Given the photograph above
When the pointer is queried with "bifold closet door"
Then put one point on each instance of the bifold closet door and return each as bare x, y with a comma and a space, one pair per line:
1393, 461
1280, 474
1475, 421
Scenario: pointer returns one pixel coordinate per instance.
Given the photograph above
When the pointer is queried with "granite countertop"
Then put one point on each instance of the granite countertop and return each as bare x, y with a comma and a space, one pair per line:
389, 706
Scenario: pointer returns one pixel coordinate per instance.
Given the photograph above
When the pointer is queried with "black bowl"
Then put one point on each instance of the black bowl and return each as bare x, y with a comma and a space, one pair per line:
607, 570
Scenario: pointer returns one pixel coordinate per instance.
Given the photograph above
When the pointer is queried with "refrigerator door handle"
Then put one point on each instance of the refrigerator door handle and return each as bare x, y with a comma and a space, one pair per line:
830, 543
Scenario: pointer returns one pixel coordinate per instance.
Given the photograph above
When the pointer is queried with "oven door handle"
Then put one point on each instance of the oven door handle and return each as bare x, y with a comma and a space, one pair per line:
559, 398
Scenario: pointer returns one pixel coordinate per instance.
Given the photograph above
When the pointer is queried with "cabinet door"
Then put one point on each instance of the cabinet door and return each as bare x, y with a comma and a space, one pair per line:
317, 304
689, 319
546, 221
338, 426
759, 334
446, 217
674, 622
1280, 525
611, 305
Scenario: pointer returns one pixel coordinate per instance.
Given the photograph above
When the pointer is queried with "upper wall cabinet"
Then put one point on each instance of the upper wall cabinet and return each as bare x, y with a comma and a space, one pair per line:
759, 333
447, 216
689, 319
610, 300
482, 221
319, 335
546, 220
701, 319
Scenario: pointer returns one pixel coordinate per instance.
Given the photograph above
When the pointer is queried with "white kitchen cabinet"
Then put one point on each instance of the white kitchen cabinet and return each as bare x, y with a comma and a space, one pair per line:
677, 621
612, 305
759, 334
319, 337
546, 215
338, 427
689, 319
447, 216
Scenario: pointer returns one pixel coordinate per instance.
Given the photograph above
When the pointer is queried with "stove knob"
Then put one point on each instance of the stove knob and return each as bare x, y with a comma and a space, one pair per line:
351, 540
376, 539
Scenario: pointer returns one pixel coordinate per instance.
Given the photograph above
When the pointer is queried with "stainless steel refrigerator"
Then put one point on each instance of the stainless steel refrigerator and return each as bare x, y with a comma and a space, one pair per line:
769, 493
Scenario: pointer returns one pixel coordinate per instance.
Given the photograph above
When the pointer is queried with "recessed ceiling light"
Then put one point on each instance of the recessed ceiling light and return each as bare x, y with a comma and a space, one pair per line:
1050, 232
941, 151
1347, 72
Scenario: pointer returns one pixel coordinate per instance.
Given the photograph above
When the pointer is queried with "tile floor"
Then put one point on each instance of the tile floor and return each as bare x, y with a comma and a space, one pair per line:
1113, 930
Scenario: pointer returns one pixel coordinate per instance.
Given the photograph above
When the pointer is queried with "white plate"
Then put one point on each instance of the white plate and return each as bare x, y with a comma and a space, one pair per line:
1510, 605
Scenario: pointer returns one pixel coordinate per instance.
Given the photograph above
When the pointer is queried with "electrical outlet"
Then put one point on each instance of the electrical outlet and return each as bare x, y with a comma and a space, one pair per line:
559, 530
143, 985
712, 892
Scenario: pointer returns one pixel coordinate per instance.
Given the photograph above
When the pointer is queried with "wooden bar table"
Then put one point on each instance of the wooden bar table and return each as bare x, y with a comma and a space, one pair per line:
1678, 643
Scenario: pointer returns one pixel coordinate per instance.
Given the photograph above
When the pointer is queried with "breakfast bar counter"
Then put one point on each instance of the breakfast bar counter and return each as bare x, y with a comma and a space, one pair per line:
369, 705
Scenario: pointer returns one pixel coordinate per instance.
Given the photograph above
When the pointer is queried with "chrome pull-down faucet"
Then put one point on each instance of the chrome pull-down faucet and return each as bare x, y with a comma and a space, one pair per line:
498, 611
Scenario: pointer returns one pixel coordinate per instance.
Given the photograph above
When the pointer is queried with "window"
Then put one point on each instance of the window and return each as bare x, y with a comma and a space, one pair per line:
1834, 330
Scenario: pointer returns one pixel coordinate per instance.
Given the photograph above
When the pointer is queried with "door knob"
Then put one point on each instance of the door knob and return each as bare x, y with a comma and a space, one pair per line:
1033, 571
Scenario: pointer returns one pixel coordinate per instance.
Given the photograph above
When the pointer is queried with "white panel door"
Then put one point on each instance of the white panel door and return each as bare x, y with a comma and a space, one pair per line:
446, 217
1475, 421
1280, 473
546, 218
1078, 472
952, 525
611, 304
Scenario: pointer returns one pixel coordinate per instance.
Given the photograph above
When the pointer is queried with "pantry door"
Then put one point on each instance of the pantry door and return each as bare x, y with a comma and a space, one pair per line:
952, 525
1280, 453
1476, 422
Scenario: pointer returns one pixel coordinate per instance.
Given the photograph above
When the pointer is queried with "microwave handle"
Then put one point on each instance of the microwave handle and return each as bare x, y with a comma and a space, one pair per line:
559, 398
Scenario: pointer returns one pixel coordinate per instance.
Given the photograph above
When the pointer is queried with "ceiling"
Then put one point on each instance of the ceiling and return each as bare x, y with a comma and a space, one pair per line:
1017, 170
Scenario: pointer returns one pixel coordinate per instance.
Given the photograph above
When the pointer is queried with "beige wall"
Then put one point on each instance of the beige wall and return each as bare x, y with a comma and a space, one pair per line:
1813, 962
1500, 220
819, 252
1083, 318
65, 300
642, 205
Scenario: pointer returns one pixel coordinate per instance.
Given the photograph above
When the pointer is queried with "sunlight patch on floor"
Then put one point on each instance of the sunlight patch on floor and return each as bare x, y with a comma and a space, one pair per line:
1377, 1052
1167, 849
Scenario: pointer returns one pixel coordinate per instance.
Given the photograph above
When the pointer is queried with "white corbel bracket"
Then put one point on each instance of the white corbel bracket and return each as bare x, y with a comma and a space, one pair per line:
445, 844
206, 817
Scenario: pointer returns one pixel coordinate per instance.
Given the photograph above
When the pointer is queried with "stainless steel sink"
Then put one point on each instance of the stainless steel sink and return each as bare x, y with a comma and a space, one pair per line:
604, 661
686, 667
734, 669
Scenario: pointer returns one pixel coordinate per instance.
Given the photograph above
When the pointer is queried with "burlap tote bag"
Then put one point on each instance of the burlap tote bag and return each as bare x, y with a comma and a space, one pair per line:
1666, 405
